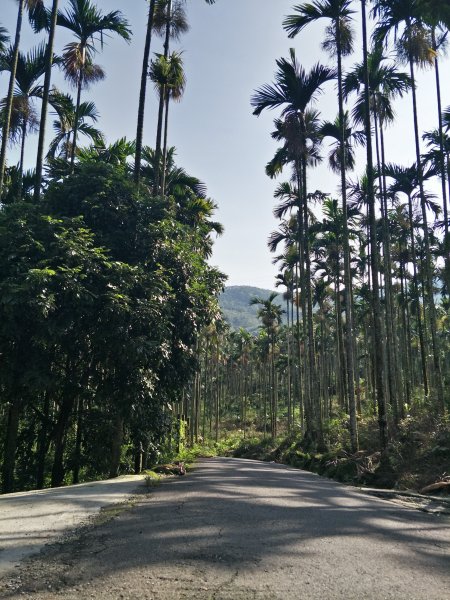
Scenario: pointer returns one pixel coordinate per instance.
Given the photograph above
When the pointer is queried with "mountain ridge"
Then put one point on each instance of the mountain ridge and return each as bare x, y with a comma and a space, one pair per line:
235, 304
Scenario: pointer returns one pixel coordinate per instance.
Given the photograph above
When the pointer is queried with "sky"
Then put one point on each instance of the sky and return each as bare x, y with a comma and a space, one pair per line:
229, 51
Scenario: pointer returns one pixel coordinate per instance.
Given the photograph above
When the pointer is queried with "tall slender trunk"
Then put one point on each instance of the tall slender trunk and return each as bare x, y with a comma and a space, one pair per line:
313, 422
9, 98
78, 441
43, 443
340, 362
399, 384
218, 392
45, 101
420, 324
266, 377
273, 402
143, 92
162, 101
390, 355
77, 114
406, 349
376, 308
22, 151
166, 129
116, 446
350, 350
301, 295
205, 388
437, 376
10, 446
289, 373
59, 435
442, 161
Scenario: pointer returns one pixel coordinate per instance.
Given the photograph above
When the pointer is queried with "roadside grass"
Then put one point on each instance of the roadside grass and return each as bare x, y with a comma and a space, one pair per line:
418, 453
151, 479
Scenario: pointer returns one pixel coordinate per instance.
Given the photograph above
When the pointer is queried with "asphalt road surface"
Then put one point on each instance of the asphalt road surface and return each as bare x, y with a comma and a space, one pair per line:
236, 529
30, 520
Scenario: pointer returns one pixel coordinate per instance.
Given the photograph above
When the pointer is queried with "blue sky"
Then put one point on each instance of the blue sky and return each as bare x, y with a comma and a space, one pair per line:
230, 50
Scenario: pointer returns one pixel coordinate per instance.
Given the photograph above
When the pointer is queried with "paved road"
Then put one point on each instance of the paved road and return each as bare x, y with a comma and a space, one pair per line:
236, 529
29, 520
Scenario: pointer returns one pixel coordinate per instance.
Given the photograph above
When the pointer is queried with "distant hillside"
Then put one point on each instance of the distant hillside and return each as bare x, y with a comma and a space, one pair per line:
235, 304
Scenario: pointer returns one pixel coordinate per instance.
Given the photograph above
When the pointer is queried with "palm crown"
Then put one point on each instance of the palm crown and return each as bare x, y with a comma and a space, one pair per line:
294, 88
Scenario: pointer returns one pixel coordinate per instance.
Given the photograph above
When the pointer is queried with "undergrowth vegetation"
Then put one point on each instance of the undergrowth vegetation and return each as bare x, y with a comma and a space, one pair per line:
418, 456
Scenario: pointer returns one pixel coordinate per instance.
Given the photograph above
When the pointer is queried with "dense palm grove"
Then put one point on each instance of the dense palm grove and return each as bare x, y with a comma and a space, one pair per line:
365, 274
105, 283
111, 340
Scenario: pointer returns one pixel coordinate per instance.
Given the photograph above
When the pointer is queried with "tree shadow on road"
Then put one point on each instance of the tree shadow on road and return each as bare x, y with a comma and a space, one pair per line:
231, 516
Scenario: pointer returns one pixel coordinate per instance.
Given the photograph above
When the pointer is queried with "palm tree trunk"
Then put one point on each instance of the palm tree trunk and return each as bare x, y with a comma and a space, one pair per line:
265, 378
399, 377
313, 423
300, 284
78, 441
162, 101
22, 150
340, 362
406, 350
218, 392
156, 189
350, 349
420, 324
437, 376
273, 422
442, 165
375, 302
59, 439
166, 129
10, 446
143, 92
205, 388
390, 354
42, 443
45, 99
116, 445
289, 373
77, 116
9, 98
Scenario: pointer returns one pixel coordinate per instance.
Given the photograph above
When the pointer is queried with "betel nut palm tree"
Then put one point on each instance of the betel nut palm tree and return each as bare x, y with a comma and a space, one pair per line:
64, 125
170, 23
405, 180
270, 313
89, 26
436, 16
175, 86
34, 7
143, 86
375, 303
49, 22
403, 20
339, 43
143, 91
293, 90
30, 68
386, 83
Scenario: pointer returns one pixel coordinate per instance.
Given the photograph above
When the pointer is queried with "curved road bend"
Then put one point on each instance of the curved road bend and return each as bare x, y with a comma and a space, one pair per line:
240, 530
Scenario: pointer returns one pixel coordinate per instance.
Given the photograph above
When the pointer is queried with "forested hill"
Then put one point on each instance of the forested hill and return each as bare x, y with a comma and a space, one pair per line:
235, 304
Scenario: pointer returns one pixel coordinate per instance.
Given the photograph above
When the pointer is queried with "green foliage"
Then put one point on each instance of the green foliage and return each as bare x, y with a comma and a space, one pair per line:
103, 293
151, 479
419, 455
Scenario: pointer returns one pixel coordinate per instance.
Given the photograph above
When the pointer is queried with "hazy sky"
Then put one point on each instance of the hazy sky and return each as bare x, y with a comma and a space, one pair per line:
230, 50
